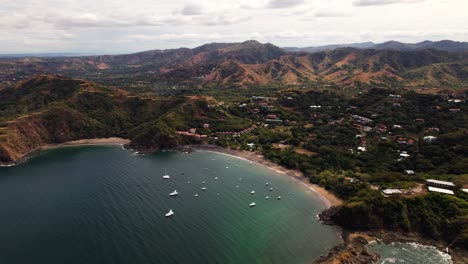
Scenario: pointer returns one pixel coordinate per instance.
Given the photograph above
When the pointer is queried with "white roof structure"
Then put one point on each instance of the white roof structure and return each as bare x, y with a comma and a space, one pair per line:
391, 191
465, 190
440, 190
441, 182
363, 149
409, 172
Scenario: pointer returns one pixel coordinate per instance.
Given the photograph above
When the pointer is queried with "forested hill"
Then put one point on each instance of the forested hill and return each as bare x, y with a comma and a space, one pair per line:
252, 63
51, 109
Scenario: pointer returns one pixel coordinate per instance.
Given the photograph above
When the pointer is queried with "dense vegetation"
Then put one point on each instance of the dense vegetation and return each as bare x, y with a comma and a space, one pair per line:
322, 141
350, 144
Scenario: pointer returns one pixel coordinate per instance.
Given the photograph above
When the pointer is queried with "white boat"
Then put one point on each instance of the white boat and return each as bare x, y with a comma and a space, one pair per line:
268, 197
203, 182
216, 178
252, 204
169, 213
237, 186
196, 195
203, 189
252, 192
166, 176
279, 198
266, 184
174, 193
271, 189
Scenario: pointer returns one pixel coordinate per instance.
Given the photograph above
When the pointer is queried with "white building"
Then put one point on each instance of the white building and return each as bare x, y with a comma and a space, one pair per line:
389, 192
440, 184
362, 149
440, 190
429, 138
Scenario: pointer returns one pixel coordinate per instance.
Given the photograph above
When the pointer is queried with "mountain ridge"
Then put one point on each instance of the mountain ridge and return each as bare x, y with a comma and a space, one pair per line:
254, 63
445, 45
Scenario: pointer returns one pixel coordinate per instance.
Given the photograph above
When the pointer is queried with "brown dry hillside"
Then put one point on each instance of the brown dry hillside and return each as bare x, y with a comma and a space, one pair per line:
251, 62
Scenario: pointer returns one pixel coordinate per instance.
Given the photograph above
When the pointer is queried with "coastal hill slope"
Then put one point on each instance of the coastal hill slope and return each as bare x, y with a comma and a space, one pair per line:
52, 109
253, 63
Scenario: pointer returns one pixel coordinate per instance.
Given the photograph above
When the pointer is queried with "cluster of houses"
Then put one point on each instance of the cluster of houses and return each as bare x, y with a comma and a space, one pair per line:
262, 103
362, 124
192, 132
438, 186
237, 134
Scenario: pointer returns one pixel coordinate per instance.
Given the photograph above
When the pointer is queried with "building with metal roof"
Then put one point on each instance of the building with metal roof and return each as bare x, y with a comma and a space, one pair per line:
440, 190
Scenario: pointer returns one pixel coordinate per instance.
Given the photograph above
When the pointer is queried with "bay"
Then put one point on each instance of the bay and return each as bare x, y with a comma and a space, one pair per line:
108, 205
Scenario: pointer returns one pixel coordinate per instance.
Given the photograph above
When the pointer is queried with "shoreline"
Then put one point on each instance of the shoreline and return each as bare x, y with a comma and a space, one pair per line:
350, 241
112, 141
327, 197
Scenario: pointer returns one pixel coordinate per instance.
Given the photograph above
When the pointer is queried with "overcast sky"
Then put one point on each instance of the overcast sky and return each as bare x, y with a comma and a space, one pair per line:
121, 26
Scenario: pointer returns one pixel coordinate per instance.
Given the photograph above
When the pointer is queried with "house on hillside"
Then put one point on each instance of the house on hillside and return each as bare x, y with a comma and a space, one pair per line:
404, 155
394, 96
440, 184
430, 138
361, 148
391, 192
444, 187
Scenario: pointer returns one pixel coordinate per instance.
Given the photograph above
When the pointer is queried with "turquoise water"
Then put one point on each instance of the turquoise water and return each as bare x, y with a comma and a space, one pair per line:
409, 253
107, 205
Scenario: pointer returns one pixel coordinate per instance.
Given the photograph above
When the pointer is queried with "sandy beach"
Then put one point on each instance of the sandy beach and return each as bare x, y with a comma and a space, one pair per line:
329, 198
89, 142
112, 141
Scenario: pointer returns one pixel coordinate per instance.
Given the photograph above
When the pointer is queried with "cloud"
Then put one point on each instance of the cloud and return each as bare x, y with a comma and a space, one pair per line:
384, 2
92, 20
17, 21
190, 37
222, 20
284, 3
331, 14
192, 9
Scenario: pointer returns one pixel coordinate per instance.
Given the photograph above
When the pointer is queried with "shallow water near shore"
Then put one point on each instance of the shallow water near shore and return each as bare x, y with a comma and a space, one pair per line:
107, 205
409, 253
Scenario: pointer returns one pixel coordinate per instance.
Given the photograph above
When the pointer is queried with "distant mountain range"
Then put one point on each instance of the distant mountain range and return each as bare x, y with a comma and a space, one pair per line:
47, 55
445, 45
254, 63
